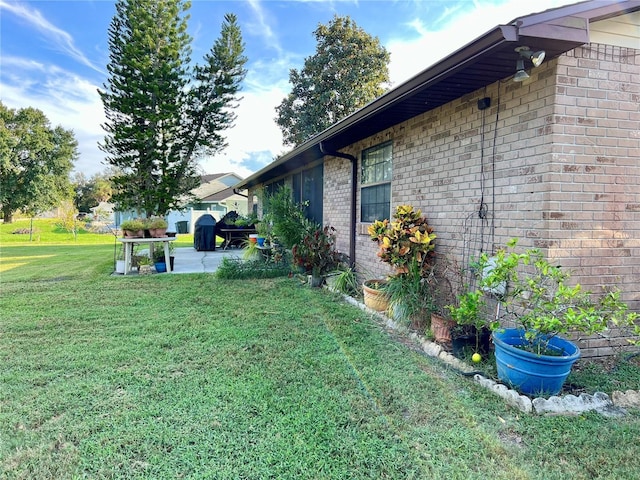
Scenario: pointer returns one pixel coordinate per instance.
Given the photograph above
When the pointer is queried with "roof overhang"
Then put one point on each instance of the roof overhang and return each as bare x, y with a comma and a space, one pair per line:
483, 61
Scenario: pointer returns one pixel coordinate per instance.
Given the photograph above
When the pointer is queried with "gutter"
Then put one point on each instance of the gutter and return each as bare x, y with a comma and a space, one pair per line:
236, 192
352, 207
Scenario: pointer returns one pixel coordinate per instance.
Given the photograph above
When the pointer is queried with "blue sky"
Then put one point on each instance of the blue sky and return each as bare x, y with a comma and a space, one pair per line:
53, 57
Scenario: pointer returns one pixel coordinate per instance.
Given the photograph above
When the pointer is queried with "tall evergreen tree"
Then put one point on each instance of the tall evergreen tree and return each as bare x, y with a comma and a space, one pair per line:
348, 70
35, 162
163, 113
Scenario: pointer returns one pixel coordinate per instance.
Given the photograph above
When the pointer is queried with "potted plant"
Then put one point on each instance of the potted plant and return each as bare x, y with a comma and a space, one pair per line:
263, 230
470, 329
407, 245
159, 261
157, 227
375, 295
144, 264
317, 253
534, 357
443, 295
133, 228
408, 238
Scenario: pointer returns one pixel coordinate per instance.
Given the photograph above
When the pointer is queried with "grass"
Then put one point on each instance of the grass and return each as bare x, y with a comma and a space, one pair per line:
188, 376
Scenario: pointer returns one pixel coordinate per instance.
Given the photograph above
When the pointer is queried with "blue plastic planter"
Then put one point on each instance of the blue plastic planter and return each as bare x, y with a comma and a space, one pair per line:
528, 372
161, 267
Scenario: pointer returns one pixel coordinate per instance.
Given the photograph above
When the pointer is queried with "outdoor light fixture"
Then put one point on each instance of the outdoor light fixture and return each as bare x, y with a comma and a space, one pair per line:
520, 73
536, 59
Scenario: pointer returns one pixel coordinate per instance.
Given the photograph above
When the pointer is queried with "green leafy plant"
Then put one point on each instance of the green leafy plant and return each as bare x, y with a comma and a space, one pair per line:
244, 221
406, 239
286, 217
264, 227
155, 223
538, 298
470, 316
345, 280
410, 295
237, 268
250, 250
144, 260
158, 253
133, 225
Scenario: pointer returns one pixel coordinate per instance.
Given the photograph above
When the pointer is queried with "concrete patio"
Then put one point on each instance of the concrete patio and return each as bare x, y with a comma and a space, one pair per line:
189, 260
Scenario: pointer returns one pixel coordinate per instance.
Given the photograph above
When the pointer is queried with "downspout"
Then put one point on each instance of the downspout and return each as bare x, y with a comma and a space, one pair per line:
352, 221
236, 192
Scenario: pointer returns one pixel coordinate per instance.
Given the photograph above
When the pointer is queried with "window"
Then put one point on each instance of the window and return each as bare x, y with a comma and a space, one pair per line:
307, 187
375, 194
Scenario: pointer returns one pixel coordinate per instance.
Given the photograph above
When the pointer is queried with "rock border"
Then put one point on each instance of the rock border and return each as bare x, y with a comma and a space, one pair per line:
610, 406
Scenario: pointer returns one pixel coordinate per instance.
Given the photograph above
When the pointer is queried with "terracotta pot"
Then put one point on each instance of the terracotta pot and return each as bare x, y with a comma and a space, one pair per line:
441, 328
375, 298
157, 232
133, 233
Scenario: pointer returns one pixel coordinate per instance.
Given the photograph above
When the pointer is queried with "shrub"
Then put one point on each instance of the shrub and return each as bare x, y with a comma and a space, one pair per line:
286, 217
235, 268
407, 239
317, 253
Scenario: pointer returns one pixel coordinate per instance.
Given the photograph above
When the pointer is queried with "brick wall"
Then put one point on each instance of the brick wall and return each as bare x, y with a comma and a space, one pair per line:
337, 199
555, 162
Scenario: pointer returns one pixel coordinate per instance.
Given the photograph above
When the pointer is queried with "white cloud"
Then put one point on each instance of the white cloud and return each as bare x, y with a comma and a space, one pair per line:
263, 28
59, 38
254, 134
66, 99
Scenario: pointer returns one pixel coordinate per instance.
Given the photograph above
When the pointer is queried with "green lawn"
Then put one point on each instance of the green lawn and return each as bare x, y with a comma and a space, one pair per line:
187, 376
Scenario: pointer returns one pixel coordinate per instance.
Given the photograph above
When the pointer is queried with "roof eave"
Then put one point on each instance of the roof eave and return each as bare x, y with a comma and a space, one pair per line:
456, 60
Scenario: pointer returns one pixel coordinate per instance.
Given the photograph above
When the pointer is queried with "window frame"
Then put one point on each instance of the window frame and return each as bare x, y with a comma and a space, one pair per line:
375, 183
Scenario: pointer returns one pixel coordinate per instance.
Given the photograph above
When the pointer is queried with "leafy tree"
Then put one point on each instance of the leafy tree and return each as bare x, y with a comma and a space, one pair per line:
35, 162
68, 217
162, 113
90, 192
348, 70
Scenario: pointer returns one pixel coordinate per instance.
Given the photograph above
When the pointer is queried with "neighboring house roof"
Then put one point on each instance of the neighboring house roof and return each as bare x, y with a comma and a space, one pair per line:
104, 206
481, 62
216, 187
226, 194
211, 176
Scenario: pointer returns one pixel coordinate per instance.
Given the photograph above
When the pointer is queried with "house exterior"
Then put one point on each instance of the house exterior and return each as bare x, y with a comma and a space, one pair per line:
553, 160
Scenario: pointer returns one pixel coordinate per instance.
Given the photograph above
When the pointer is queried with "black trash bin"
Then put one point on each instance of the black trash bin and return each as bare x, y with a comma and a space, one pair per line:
204, 236
182, 226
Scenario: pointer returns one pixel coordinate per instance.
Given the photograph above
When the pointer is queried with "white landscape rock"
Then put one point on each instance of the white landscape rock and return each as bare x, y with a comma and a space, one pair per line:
628, 399
570, 404
513, 398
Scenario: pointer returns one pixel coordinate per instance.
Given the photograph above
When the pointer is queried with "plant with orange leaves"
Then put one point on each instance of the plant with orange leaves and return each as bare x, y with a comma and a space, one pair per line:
406, 239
